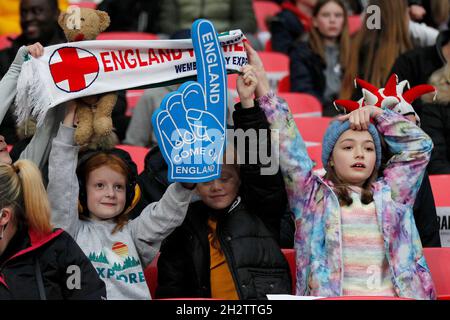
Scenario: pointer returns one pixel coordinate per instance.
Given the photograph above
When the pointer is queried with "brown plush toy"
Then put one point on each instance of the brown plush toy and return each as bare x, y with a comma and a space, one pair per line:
93, 112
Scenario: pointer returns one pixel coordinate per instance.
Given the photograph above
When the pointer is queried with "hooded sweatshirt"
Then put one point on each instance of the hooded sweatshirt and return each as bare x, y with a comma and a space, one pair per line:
121, 257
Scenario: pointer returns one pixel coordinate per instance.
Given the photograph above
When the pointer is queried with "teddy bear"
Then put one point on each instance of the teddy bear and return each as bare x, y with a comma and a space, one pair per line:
94, 128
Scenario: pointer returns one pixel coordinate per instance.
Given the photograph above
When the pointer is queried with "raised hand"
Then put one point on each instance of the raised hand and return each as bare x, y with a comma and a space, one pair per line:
70, 117
35, 50
255, 61
246, 85
360, 118
190, 123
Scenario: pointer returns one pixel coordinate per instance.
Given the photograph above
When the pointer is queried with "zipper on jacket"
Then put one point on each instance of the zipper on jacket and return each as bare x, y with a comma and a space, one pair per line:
228, 257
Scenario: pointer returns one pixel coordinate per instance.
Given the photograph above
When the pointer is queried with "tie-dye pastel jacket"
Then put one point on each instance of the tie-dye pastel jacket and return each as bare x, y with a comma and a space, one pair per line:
318, 238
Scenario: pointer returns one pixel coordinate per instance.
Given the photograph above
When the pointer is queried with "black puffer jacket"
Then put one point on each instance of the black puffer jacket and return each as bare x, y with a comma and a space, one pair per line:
254, 258
248, 232
38, 268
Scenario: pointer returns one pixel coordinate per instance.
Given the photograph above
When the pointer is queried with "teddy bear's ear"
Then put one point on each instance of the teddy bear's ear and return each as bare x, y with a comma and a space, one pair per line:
61, 20
104, 20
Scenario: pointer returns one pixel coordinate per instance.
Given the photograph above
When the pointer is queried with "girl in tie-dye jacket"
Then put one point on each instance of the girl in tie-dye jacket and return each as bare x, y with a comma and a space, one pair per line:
319, 207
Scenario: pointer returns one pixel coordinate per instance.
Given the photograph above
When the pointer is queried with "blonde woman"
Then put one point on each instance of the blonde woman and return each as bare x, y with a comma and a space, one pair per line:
37, 261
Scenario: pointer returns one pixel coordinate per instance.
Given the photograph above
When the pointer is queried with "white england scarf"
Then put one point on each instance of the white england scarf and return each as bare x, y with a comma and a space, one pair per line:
77, 69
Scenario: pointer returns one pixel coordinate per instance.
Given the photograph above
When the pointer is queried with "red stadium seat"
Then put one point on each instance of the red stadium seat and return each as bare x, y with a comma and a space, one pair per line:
315, 153
441, 186
284, 85
276, 65
127, 36
5, 42
263, 10
289, 254
275, 62
137, 153
354, 24
302, 104
438, 260
312, 129
151, 276
133, 97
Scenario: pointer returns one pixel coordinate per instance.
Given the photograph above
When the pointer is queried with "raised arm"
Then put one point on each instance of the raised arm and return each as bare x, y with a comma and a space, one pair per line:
158, 220
411, 148
63, 186
409, 145
8, 83
295, 163
262, 184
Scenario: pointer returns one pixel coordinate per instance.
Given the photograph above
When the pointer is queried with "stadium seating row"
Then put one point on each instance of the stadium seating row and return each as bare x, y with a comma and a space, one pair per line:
437, 259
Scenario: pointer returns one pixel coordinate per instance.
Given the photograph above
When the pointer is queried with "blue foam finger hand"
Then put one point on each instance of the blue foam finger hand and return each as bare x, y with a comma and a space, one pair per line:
210, 132
211, 68
190, 122
165, 124
193, 96
168, 136
203, 122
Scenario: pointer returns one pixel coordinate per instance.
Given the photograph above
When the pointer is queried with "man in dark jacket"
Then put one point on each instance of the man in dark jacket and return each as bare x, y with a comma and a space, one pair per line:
416, 66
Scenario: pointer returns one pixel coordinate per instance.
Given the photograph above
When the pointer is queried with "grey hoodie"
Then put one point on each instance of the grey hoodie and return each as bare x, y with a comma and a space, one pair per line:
119, 258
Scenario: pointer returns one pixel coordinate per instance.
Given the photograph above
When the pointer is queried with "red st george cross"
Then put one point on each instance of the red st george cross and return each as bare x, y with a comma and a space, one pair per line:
73, 69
